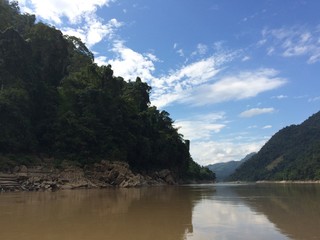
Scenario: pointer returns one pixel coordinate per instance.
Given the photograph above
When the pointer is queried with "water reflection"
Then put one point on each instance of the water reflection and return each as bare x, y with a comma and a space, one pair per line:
259, 211
226, 215
146, 213
196, 212
293, 208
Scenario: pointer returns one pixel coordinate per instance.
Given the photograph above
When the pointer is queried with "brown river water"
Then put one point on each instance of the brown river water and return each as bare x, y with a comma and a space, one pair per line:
197, 212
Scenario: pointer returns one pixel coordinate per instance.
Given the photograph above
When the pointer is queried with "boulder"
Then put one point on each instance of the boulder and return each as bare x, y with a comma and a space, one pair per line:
166, 176
23, 169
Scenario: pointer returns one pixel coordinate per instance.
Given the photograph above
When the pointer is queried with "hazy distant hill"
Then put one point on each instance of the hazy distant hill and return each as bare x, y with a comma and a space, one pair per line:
293, 153
225, 169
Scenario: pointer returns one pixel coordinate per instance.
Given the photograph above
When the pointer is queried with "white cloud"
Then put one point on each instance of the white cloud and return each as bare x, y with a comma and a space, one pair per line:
93, 31
55, 10
81, 14
267, 127
130, 64
241, 86
101, 60
210, 152
202, 126
292, 42
96, 30
256, 111
190, 83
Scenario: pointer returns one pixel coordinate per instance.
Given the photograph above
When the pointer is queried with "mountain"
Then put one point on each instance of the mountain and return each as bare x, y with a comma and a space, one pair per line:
56, 103
293, 153
225, 169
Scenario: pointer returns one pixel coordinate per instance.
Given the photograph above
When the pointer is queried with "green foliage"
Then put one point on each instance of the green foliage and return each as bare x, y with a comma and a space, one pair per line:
10, 17
54, 101
291, 154
197, 172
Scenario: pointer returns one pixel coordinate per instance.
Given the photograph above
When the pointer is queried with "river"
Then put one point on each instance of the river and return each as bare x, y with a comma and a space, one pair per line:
192, 212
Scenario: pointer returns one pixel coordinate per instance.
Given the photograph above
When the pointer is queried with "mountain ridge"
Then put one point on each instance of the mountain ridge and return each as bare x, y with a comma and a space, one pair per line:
293, 153
223, 170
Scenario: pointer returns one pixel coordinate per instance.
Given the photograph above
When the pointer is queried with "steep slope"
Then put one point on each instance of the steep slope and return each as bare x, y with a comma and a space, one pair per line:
291, 154
56, 103
225, 169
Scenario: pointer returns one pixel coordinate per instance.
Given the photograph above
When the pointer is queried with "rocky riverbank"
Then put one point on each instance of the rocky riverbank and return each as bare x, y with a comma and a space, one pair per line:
99, 175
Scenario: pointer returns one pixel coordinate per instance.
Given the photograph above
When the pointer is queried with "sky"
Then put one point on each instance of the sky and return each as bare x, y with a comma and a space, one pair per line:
230, 73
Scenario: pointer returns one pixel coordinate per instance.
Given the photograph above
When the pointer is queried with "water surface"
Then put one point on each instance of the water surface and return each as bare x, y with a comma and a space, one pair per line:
197, 212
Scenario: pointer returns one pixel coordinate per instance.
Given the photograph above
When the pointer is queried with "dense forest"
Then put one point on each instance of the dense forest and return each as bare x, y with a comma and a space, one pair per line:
291, 154
56, 102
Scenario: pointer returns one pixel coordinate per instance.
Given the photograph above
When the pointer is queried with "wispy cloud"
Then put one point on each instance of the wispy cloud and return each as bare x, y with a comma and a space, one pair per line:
280, 97
243, 85
245, 58
267, 127
292, 42
195, 83
177, 84
314, 99
256, 111
178, 50
201, 49
201, 126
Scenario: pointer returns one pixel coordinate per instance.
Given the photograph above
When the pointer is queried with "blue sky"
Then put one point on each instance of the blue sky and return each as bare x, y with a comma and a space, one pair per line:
230, 73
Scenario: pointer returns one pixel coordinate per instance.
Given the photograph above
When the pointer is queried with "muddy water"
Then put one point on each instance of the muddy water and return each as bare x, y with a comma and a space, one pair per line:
194, 212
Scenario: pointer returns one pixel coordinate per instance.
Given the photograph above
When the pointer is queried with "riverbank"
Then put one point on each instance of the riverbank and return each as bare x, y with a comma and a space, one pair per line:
290, 181
99, 175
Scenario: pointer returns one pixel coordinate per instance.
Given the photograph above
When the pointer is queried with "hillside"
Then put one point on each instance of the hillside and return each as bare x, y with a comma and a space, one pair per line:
225, 169
293, 153
56, 103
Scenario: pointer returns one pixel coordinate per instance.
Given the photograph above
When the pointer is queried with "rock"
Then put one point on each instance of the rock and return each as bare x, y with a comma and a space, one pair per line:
112, 176
124, 184
23, 169
166, 176
169, 179
164, 173
16, 169
120, 178
102, 175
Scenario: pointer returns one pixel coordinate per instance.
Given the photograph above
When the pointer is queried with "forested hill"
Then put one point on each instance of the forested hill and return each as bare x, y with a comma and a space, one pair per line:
291, 154
223, 170
56, 102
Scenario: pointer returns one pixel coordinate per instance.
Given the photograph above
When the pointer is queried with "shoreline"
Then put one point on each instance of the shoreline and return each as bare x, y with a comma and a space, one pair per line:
99, 175
290, 181
273, 182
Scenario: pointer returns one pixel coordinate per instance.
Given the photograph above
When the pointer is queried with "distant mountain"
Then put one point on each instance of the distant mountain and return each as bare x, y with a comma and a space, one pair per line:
293, 153
225, 169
